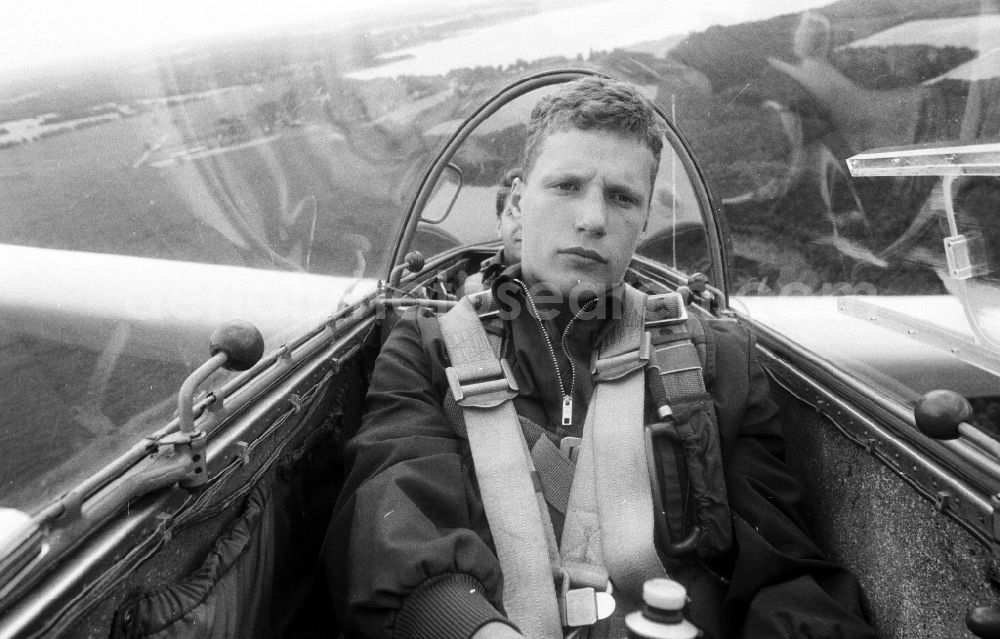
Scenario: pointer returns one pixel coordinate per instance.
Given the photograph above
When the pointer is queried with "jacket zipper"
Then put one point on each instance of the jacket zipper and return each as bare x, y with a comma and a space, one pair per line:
567, 394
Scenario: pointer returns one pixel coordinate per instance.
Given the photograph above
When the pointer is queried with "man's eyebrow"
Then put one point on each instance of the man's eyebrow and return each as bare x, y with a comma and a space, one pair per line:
565, 174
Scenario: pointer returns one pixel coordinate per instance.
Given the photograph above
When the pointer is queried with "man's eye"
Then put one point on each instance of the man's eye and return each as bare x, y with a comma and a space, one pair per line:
565, 186
623, 200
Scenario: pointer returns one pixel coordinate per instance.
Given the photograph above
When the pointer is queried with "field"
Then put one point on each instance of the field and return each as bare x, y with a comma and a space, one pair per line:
165, 183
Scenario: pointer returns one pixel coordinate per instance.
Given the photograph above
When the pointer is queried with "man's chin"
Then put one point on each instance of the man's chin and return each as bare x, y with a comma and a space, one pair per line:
570, 284
581, 290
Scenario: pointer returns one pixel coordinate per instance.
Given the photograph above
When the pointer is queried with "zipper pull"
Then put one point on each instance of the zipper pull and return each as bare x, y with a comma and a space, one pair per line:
567, 410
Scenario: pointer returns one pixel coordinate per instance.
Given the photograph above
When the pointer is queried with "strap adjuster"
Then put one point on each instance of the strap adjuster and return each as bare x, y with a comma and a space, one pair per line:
473, 388
607, 369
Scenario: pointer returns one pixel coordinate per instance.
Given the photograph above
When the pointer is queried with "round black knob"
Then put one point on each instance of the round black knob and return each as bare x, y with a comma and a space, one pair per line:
939, 412
240, 341
414, 261
984, 622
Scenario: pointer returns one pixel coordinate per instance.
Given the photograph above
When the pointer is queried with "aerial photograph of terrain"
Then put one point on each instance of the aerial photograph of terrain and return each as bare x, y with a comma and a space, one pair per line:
294, 146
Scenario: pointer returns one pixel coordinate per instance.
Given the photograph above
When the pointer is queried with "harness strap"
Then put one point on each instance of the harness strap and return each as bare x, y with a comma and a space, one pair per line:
603, 528
504, 472
554, 468
677, 387
603, 532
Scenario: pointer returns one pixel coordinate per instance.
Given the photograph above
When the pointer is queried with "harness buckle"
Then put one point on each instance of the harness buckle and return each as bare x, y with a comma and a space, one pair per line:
665, 309
606, 369
473, 387
583, 606
570, 447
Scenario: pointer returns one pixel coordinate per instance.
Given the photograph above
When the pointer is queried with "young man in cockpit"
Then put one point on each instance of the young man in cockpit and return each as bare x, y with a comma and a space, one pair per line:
509, 230
461, 484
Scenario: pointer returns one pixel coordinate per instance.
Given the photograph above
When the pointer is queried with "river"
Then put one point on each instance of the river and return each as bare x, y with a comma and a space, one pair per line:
570, 32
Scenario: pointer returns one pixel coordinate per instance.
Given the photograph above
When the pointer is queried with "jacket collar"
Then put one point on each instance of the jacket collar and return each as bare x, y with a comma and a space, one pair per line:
496, 261
588, 329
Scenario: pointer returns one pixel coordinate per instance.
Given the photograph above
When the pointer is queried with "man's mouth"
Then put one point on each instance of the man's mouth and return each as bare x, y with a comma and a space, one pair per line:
585, 253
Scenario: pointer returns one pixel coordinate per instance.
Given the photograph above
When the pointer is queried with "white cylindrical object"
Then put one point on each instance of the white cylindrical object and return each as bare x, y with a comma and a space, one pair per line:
665, 594
665, 597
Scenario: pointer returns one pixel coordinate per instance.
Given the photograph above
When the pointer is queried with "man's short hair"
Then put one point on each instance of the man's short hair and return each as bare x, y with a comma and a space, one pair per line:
594, 104
503, 191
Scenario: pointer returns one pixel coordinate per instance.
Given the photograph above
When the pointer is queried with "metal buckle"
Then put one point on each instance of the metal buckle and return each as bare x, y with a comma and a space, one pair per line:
612, 368
481, 391
681, 361
659, 306
570, 447
583, 606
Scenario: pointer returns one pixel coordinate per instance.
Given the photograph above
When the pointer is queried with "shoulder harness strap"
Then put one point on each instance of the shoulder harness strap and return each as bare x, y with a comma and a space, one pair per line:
602, 528
616, 457
482, 387
676, 383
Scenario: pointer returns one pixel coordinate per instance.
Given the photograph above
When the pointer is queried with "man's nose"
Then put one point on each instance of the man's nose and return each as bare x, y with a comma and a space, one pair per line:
591, 214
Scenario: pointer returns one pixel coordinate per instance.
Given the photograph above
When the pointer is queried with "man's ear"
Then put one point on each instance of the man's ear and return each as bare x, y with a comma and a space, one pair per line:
516, 189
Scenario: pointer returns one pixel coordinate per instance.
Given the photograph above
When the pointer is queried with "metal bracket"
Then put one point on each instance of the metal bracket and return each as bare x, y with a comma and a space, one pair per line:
942, 500
964, 253
995, 517
606, 369
192, 446
243, 452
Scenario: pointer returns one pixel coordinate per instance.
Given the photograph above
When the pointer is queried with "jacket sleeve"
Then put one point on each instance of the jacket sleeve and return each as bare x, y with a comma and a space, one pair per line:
409, 552
781, 583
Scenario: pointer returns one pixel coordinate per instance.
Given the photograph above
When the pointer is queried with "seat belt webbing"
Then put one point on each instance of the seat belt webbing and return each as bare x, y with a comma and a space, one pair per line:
609, 526
610, 518
504, 472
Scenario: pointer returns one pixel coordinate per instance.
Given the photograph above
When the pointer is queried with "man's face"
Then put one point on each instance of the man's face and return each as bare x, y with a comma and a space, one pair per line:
509, 228
583, 207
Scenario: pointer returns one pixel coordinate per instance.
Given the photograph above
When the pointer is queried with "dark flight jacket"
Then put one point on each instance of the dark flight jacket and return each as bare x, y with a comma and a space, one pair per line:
409, 551
489, 270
